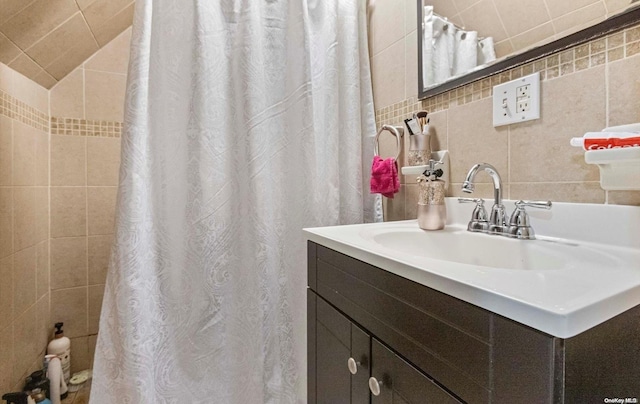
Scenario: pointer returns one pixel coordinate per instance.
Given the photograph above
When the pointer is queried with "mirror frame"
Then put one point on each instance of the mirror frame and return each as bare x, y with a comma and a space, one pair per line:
618, 22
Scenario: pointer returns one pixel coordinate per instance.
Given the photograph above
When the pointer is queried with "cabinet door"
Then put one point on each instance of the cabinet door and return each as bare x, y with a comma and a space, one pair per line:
400, 383
336, 341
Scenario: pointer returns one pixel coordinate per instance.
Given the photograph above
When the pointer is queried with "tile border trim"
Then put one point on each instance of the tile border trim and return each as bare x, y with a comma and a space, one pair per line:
13, 108
85, 127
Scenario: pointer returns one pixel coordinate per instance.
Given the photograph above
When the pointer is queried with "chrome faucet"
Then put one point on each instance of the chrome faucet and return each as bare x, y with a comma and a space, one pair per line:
498, 216
518, 226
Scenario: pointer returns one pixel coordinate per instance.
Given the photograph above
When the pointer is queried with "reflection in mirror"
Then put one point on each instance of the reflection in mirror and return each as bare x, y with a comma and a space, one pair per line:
461, 40
449, 50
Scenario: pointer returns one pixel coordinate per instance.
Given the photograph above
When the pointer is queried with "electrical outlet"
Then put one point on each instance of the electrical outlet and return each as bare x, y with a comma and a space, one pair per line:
523, 91
523, 105
517, 100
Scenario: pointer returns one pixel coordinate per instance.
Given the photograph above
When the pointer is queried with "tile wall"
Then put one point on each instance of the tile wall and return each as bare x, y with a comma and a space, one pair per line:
24, 226
59, 162
585, 88
45, 40
86, 122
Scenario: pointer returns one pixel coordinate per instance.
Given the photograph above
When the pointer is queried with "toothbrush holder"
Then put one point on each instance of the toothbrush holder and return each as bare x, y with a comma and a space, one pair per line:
419, 150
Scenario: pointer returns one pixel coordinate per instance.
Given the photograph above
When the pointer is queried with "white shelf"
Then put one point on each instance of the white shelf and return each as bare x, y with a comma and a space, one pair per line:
619, 168
442, 155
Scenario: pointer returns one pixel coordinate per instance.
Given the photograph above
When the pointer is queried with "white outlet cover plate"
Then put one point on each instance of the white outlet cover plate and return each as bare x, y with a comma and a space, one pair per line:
505, 94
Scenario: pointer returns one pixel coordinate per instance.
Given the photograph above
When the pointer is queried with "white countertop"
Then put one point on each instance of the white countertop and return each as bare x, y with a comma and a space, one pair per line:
600, 280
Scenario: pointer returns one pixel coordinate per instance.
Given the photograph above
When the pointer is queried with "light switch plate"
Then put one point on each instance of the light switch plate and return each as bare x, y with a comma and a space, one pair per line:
517, 100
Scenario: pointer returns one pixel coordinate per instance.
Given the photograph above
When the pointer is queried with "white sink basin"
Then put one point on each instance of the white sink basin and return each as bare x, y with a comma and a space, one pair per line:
455, 244
583, 268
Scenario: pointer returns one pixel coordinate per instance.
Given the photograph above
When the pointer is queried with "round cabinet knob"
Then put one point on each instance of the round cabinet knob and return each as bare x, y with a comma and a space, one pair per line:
374, 386
353, 366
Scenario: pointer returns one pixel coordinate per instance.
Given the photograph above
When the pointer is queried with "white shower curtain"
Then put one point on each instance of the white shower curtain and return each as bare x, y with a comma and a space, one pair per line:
245, 122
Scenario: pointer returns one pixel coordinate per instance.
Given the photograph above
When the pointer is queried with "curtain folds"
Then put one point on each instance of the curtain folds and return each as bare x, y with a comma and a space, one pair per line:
245, 122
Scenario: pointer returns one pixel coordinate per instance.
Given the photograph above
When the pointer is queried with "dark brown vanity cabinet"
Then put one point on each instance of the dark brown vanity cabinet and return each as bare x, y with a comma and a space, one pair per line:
412, 344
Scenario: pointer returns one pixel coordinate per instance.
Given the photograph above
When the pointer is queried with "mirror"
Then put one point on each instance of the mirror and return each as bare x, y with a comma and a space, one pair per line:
460, 41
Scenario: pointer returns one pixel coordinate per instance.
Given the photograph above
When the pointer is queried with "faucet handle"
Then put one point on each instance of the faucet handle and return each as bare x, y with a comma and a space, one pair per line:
469, 200
534, 204
478, 222
519, 225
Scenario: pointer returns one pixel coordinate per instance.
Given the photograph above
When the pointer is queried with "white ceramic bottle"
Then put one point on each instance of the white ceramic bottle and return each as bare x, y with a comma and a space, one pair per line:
61, 347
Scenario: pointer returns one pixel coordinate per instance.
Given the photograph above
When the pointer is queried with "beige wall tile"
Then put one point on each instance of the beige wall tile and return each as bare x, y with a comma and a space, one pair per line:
438, 128
387, 24
411, 201
585, 192
93, 339
394, 208
24, 217
96, 293
6, 78
67, 97
445, 8
36, 20
70, 307
464, 4
558, 8
68, 160
27, 90
623, 90
103, 161
83, 4
42, 269
24, 343
115, 25
6, 151
6, 222
580, 17
24, 65
535, 36
45, 79
58, 41
616, 6
100, 11
104, 95
43, 323
42, 158
41, 214
519, 17
411, 67
410, 16
6, 357
24, 154
387, 68
24, 280
68, 211
84, 47
473, 139
80, 359
624, 198
68, 262
9, 8
503, 48
8, 51
482, 16
113, 57
101, 203
545, 142
99, 251
6, 294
